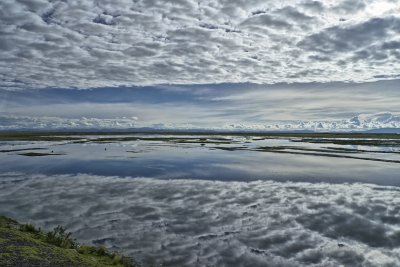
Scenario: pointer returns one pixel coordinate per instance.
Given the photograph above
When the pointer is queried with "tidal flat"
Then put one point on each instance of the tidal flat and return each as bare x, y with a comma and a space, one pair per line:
212, 199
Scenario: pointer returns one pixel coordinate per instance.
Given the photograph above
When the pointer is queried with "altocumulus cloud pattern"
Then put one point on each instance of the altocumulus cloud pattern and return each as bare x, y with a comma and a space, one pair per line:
210, 223
87, 44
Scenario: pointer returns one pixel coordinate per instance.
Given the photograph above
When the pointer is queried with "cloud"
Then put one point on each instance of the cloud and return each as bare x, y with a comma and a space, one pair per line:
321, 106
46, 123
70, 44
189, 222
350, 6
314, 6
175, 122
340, 39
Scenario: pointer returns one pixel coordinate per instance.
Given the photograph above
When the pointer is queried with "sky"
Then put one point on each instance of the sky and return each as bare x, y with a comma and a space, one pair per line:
238, 64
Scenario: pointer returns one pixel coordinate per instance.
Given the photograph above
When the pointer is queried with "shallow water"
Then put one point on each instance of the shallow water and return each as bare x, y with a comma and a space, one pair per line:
237, 159
211, 202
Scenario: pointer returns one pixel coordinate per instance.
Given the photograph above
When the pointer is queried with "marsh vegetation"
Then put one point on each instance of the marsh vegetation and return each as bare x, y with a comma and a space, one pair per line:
25, 245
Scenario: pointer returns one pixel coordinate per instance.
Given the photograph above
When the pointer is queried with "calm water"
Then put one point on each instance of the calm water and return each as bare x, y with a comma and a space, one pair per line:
223, 201
168, 160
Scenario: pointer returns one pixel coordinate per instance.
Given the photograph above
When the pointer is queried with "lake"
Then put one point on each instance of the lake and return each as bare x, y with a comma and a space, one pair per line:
213, 199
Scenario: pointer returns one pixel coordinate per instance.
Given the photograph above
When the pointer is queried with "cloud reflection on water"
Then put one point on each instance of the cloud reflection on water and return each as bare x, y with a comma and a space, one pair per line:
192, 222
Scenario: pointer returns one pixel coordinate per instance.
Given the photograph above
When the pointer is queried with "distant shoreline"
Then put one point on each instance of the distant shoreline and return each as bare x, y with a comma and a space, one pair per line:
26, 133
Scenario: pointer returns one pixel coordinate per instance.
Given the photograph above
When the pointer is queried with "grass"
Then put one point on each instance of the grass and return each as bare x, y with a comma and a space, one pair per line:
25, 245
176, 140
21, 149
35, 136
335, 149
37, 154
317, 152
298, 148
231, 148
352, 141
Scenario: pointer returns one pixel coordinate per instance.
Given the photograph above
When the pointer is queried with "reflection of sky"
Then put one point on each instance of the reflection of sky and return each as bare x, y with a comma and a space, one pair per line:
168, 160
199, 211
213, 223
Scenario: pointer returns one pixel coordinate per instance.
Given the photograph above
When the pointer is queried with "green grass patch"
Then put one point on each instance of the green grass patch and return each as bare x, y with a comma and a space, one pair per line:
26, 245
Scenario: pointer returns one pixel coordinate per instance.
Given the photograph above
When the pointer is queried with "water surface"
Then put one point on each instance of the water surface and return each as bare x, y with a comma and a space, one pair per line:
213, 200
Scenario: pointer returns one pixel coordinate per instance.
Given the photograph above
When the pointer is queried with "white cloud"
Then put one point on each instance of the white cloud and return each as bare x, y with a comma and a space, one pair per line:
102, 43
360, 122
46, 123
225, 106
188, 222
